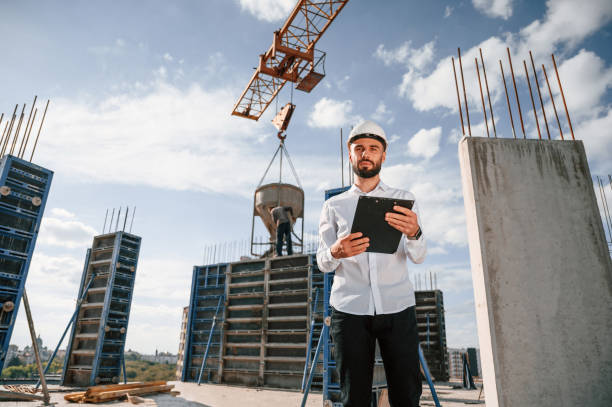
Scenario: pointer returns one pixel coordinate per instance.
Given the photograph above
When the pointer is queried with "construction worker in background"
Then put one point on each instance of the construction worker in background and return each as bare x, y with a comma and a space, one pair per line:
283, 217
372, 297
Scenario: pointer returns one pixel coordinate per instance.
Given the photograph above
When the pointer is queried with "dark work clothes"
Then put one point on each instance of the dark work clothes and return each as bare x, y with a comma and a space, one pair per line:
281, 214
283, 231
355, 338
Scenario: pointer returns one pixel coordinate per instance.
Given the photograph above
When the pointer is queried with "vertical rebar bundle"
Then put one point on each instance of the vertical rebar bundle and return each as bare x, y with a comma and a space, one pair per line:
16, 133
529, 87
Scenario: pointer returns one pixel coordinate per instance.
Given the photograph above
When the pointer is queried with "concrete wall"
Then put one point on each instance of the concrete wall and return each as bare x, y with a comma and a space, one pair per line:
541, 271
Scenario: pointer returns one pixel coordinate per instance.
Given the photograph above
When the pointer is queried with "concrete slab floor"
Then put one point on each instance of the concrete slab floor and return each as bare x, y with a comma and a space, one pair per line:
214, 395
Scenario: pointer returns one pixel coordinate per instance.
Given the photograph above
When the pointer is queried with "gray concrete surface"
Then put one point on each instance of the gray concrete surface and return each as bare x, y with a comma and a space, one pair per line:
215, 395
541, 271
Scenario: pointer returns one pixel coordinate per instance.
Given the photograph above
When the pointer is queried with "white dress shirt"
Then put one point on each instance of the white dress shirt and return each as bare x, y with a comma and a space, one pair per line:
368, 283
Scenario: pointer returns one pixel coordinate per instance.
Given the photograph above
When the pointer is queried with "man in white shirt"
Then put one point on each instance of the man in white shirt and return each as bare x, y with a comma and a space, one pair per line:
372, 297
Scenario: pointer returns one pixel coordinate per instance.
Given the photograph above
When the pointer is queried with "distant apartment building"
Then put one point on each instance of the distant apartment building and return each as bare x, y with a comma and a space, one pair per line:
455, 361
161, 357
181, 350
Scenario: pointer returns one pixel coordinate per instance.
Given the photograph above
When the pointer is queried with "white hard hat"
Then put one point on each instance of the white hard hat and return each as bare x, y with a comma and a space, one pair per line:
368, 128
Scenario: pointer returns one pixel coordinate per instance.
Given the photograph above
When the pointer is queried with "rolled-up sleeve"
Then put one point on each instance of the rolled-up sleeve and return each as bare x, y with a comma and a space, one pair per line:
416, 250
327, 237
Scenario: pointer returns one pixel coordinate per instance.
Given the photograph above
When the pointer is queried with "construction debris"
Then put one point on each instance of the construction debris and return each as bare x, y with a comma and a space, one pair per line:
102, 394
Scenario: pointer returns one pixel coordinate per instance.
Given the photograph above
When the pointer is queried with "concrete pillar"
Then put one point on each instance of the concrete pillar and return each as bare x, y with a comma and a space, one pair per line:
541, 272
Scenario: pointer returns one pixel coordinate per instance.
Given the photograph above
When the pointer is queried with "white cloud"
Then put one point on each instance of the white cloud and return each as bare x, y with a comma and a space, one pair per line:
134, 139
341, 84
448, 11
413, 58
439, 196
425, 143
268, 10
60, 228
585, 81
53, 287
566, 22
61, 213
494, 8
168, 57
597, 141
330, 113
382, 114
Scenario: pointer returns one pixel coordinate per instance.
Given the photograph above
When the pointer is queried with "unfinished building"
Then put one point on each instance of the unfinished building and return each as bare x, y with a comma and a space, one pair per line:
432, 331
95, 349
263, 310
24, 188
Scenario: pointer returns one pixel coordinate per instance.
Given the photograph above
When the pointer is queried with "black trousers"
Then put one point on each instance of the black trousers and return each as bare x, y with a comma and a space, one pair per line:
283, 231
355, 338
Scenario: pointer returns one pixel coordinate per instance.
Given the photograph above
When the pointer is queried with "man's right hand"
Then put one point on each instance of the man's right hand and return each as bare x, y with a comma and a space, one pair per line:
350, 245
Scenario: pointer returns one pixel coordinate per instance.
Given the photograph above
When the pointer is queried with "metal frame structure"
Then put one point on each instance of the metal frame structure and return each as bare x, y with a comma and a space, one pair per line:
271, 243
291, 57
432, 331
95, 352
263, 313
24, 188
207, 291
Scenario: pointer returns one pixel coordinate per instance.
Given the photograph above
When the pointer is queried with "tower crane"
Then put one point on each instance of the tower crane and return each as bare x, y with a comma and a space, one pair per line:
292, 57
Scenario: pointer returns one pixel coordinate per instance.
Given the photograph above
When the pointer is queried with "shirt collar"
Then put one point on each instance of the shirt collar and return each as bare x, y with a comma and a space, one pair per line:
381, 186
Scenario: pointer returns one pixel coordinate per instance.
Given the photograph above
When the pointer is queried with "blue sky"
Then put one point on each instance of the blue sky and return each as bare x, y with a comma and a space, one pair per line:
141, 95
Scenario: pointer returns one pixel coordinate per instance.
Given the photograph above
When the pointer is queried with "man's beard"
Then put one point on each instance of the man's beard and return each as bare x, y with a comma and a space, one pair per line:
363, 173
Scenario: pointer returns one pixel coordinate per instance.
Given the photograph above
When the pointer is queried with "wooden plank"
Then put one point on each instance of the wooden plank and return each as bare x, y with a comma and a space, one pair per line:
112, 387
116, 394
9, 395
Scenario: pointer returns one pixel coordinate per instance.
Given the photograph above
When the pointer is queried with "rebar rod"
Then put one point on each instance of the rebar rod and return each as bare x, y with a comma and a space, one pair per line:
569, 121
507, 98
105, 218
132, 222
10, 129
535, 114
484, 72
458, 97
518, 102
4, 133
38, 135
117, 223
14, 142
110, 225
467, 111
604, 205
127, 211
484, 109
552, 99
25, 133
535, 75
29, 132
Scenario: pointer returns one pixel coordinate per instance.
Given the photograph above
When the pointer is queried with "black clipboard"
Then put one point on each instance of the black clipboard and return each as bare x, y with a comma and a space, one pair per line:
370, 220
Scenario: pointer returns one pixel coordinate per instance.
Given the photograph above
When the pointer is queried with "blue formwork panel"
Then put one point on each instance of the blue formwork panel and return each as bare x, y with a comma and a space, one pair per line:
97, 341
207, 289
24, 188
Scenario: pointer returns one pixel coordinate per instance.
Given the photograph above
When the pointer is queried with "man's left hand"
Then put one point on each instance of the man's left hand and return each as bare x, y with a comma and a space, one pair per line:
405, 221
